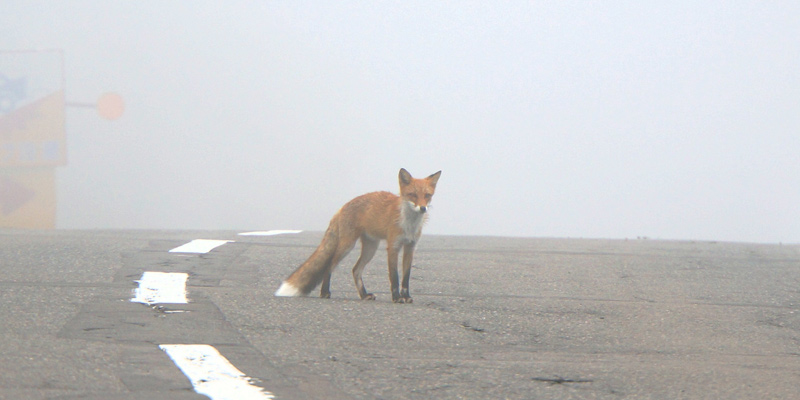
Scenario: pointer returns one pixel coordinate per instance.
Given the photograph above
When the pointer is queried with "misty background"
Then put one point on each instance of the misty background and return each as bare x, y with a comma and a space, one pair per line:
671, 120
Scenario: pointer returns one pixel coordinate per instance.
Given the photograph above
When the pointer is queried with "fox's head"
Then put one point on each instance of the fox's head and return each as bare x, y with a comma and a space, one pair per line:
417, 193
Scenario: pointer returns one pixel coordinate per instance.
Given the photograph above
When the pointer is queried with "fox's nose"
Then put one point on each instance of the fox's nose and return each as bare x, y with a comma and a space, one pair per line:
422, 209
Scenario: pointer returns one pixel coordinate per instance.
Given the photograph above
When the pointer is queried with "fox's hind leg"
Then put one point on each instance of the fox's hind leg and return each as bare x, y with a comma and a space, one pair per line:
368, 248
325, 289
341, 252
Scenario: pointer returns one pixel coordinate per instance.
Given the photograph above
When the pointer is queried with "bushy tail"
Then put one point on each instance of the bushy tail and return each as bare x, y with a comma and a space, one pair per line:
305, 278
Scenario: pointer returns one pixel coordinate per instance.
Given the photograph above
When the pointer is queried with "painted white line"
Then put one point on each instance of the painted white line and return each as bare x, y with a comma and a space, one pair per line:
212, 374
199, 246
161, 287
269, 233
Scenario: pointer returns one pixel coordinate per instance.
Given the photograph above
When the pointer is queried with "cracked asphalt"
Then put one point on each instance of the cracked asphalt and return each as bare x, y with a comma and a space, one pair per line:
508, 318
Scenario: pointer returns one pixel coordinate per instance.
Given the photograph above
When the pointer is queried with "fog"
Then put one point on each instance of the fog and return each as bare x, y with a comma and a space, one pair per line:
668, 120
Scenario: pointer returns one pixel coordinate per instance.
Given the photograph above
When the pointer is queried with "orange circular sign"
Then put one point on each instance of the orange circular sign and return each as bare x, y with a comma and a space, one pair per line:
110, 106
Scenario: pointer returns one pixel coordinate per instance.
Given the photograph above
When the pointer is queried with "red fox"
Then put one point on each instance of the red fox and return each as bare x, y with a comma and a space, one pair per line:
371, 217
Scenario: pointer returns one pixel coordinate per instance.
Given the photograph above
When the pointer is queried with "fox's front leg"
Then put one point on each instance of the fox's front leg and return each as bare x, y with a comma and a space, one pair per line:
408, 255
393, 254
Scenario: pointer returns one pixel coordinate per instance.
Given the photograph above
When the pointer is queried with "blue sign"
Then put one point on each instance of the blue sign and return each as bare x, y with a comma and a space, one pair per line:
11, 93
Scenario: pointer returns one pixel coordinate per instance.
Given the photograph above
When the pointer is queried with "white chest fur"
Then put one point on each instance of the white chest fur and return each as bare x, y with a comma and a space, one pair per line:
411, 222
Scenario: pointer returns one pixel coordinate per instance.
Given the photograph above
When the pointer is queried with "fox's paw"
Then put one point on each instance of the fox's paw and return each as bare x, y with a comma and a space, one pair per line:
402, 300
404, 297
368, 296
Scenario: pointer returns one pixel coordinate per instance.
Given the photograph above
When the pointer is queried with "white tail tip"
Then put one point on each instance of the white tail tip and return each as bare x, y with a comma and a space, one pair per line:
288, 290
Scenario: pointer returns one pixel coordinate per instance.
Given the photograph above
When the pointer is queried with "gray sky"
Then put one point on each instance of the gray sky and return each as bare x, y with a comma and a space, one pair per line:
672, 120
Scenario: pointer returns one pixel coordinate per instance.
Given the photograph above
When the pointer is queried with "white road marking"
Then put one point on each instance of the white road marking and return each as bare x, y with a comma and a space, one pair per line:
161, 287
199, 246
212, 374
269, 233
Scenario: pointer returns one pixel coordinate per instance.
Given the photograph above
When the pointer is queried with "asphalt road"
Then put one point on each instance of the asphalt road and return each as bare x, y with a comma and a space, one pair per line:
491, 318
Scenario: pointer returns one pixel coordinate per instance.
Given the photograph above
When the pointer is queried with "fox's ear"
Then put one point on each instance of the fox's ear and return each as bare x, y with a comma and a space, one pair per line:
434, 178
405, 177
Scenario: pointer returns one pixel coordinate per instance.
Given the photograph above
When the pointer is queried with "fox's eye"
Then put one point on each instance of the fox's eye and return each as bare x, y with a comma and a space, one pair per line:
428, 196
412, 196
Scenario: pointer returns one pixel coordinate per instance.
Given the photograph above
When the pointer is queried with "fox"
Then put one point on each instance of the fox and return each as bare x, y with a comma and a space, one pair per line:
371, 217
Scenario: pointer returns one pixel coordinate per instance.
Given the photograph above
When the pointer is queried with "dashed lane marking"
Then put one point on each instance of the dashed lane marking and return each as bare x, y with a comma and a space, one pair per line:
213, 375
161, 287
269, 233
199, 246
210, 373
